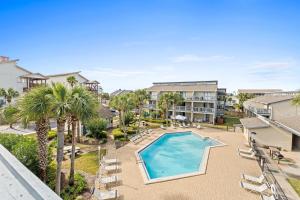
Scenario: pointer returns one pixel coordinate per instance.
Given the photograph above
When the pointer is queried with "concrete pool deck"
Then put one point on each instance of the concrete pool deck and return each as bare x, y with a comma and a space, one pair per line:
220, 182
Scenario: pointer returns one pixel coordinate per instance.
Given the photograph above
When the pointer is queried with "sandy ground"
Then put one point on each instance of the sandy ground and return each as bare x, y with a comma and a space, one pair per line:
221, 180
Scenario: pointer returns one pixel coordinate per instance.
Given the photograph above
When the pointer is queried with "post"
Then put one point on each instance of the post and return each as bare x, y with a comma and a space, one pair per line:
99, 152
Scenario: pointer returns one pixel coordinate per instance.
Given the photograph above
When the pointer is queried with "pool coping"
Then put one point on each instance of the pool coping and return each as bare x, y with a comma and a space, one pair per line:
202, 168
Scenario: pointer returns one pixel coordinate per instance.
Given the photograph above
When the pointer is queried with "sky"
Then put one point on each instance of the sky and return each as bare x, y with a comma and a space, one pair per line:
129, 44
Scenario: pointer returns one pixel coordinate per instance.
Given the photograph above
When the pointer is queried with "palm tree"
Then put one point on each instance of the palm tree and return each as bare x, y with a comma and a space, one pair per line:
8, 94
10, 115
72, 81
115, 104
61, 108
36, 106
242, 98
296, 102
83, 106
164, 104
176, 99
140, 98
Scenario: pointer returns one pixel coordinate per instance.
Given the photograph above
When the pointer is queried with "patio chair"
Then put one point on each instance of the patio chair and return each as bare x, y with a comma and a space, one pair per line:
257, 180
249, 156
108, 180
265, 197
111, 161
198, 126
246, 151
254, 188
180, 126
107, 195
149, 131
109, 168
135, 138
163, 127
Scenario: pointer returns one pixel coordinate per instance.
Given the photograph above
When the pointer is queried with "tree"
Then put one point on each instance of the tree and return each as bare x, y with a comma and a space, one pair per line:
97, 127
36, 106
72, 81
296, 102
8, 94
242, 97
10, 115
176, 99
61, 108
140, 98
83, 106
164, 104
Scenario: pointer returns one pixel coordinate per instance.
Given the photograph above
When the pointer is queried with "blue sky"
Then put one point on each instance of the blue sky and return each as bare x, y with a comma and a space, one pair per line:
130, 44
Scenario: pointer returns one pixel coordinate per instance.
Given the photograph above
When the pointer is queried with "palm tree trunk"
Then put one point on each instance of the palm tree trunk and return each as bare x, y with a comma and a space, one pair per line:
11, 126
72, 169
42, 132
139, 123
78, 132
60, 153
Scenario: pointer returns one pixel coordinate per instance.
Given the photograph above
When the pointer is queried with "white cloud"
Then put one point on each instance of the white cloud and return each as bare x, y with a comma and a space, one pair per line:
272, 65
196, 58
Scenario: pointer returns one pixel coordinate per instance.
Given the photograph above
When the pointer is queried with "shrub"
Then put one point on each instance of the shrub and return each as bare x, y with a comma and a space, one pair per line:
51, 174
129, 118
52, 135
10, 115
159, 121
117, 133
96, 128
71, 192
10, 140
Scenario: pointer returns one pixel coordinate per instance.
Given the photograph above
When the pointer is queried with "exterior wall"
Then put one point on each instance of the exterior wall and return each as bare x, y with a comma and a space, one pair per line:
284, 109
9, 76
63, 79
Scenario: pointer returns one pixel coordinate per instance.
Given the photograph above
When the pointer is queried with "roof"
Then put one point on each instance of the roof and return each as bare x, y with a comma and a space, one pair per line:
17, 182
187, 82
254, 91
119, 92
34, 76
269, 99
105, 112
291, 122
253, 122
21, 68
68, 74
189, 88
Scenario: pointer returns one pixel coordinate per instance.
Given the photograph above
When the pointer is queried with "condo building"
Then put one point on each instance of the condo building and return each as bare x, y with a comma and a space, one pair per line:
203, 100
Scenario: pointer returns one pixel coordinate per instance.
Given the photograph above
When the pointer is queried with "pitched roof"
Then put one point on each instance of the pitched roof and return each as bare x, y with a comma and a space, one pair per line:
269, 99
253, 122
254, 91
119, 92
68, 74
291, 122
34, 76
105, 112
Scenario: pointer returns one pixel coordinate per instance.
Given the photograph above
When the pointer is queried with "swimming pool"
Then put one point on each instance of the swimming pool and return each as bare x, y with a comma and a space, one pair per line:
176, 155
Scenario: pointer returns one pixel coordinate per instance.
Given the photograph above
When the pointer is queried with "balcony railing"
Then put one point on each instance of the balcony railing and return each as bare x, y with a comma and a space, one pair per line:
195, 98
203, 110
260, 111
150, 106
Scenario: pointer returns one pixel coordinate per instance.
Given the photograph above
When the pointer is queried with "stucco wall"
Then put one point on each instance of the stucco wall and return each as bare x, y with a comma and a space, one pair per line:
9, 76
63, 79
284, 109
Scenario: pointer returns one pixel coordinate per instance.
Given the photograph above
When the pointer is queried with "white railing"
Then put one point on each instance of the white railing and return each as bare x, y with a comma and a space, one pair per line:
195, 98
203, 110
260, 111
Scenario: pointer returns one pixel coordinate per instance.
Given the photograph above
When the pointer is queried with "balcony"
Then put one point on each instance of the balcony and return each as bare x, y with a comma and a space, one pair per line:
260, 111
181, 109
195, 98
150, 106
153, 97
203, 110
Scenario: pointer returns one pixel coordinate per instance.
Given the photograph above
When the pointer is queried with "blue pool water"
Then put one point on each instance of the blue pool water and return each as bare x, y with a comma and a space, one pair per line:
175, 154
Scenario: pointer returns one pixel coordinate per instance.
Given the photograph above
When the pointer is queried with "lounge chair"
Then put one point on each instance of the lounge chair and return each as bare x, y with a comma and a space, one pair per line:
265, 197
108, 180
180, 126
254, 188
199, 127
149, 131
249, 156
107, 161
248, 151
109, 168
112, 194
135, 138
257, 180
162, 127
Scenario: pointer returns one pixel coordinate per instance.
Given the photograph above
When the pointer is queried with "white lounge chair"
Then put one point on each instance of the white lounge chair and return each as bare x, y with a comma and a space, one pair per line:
107, 195
180, 126
265, 197
258, 180
109, 168
149, 131
108, 180
254, 188
162, 127
248, 151
199, 127
135, 138
109, 161
249, 156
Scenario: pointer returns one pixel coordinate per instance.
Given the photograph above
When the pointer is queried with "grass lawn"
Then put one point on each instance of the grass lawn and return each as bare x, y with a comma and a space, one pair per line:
88, 162
229, 120
295, 183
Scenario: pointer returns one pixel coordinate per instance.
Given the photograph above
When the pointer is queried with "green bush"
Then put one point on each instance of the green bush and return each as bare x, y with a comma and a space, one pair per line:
52, 135
71, 192
129, 118
159, 121
10, 140
10, 114
96, 128
51, 174
117, 133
